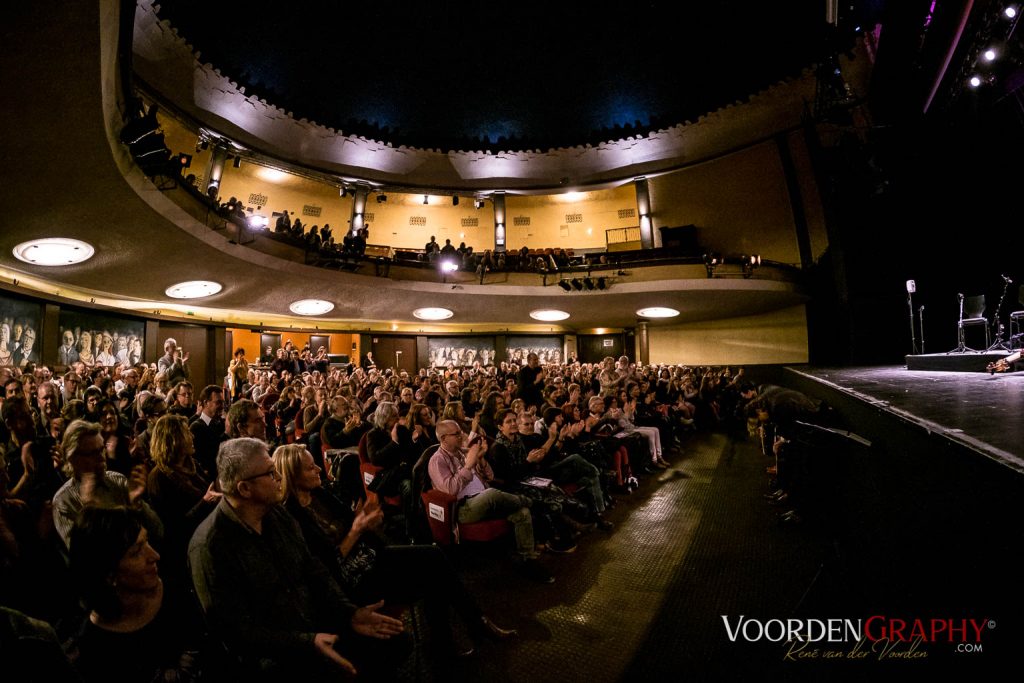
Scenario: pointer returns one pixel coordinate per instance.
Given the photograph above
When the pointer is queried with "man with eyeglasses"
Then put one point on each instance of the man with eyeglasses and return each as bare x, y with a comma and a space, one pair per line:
466, 475
272, 603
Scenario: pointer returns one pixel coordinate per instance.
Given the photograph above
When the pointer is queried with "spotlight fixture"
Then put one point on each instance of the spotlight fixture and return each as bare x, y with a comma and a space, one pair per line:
342, 191
455, 200
602, 283
381, 198
237, 163
712, 261
184, 160
426, 199
989, 55
478, 203
577, 284
258, 222
750, 263
589, 283
449, 266
564, 284
974, 81
1010, 12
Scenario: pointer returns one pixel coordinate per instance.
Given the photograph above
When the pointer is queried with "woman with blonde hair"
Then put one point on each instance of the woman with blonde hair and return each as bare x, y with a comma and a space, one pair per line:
85, 348
365, 566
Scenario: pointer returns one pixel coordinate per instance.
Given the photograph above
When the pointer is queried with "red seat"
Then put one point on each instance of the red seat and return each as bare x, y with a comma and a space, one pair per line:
368, 472
441, 516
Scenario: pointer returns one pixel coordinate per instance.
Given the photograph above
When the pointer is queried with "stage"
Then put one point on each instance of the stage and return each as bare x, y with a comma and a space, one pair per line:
982, 412
973, 361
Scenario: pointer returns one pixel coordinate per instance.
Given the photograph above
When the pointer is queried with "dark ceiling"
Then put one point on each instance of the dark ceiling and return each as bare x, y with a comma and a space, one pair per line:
472, 75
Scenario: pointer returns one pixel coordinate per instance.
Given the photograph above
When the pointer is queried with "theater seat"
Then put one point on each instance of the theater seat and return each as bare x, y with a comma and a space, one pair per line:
440, 510
368, 472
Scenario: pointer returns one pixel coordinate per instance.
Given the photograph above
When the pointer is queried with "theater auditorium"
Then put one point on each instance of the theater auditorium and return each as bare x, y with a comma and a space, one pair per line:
508, 341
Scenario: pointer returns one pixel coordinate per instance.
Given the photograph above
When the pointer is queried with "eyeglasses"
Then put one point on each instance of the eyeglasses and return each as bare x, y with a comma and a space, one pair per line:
441, 436
269, 473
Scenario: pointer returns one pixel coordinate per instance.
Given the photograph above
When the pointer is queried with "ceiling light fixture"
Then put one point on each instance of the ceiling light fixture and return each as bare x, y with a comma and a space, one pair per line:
657, 312
311, 307
193, 289
548, 315
53, 251
433, 313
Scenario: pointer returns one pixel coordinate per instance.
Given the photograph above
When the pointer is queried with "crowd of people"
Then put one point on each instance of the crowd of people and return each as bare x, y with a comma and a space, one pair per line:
166, 532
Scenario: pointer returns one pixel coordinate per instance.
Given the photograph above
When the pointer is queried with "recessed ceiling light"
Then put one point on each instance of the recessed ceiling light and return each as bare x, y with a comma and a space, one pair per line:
193, 289
432, 313
311, 307
657, 312
54, 251
548, 315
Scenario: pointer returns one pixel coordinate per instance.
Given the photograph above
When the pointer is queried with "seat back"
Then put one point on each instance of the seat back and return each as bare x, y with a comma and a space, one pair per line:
974, 306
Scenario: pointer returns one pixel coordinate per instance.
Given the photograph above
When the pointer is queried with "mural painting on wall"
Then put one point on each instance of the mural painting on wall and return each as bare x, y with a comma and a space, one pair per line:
99, 340
459, 352
548, 349
19, 332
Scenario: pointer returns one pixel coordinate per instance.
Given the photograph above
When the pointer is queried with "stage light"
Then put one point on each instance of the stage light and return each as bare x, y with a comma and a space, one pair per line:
184, 160
974, 81
237, 163
257, 222
455, 200
449, 266
564, 284
989, 55
426, 199
589, 283
1010, 12
577, 285
602, 283
381, 198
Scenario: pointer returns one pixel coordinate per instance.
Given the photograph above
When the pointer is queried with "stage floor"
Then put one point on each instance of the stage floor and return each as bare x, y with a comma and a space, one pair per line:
984, 412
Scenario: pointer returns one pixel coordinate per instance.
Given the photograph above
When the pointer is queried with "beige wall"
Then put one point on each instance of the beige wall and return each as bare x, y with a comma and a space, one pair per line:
287, 192
547, 214
739, 203
778, 337
391, 221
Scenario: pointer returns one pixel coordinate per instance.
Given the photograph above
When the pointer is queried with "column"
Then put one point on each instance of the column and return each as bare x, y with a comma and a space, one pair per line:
216, 172
498, 199
643, 209
643, 347
359, 197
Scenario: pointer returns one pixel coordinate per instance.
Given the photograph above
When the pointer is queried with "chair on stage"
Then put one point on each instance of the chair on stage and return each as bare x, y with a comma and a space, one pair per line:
1015, 321
974, 314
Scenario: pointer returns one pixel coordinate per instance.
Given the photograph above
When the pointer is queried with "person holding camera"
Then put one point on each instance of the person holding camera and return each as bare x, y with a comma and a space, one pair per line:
174, 363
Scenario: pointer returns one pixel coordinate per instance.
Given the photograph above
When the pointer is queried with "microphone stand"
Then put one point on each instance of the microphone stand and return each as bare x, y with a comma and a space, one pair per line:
920, 315
961, 346
997, 324
910, 307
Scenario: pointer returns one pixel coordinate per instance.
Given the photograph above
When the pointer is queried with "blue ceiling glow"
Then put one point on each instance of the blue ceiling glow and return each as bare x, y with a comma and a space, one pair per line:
446, 75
